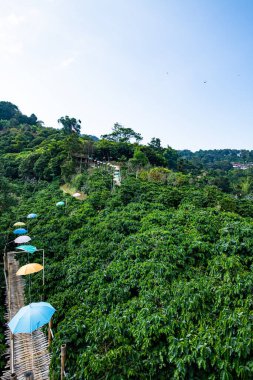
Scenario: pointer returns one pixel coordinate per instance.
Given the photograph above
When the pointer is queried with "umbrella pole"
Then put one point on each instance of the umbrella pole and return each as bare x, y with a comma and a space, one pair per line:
63, 358
9, 287
49, 332
31, 339
9, 302
32, 351
12, 353
29, 288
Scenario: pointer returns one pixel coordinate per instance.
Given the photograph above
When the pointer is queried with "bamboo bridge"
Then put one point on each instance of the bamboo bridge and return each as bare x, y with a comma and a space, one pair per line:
27, 355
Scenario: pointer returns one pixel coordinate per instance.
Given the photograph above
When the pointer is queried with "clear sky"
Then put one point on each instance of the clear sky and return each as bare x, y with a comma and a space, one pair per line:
180, 70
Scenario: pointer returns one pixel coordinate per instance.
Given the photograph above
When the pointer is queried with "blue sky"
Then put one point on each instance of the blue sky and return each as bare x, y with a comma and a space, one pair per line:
141, 63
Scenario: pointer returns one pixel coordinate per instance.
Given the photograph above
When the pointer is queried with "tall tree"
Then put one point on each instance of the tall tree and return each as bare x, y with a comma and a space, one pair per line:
8, 110
171, 156
155, 143
121, 134
70, 125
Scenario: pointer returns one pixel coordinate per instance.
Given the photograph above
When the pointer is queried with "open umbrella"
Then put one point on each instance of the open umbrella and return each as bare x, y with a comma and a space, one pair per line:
22, 239
32, 249
61, 203
29, 318
76, 195
29, 268
27, 248
18, 224
32, 216
20, 231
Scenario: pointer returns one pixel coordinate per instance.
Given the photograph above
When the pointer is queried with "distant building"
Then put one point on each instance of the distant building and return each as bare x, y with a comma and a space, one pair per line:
239, 165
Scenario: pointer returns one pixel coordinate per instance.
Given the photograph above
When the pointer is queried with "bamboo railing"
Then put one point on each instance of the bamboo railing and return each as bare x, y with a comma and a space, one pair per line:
31, 356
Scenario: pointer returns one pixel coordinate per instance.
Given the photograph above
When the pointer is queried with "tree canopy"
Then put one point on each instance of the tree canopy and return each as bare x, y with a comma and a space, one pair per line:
151, 279
70, 125
121, 134
10, 115
8, 110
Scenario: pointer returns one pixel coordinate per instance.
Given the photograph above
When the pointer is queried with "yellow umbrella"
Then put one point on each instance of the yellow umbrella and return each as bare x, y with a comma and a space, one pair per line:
29, 268
17, 224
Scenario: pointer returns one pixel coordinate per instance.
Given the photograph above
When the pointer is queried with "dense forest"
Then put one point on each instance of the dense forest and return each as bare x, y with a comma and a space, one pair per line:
151, 279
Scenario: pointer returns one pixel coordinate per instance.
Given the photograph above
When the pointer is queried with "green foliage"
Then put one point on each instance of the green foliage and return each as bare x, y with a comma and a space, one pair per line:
171, 157
8, 110
8, 199
70, 125
150, 280
121, 134
165, 176
155, 143
11, 116
155, 156
139, 159
111, 150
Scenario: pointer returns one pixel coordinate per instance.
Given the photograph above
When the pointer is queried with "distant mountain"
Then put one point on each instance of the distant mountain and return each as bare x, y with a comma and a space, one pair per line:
90, 137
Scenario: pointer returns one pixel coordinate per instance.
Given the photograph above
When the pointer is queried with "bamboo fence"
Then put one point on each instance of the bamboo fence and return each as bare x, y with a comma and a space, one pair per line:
30, 350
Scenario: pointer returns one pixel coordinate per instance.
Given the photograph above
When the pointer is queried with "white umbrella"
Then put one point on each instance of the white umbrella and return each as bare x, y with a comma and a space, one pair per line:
76, 195
22, 239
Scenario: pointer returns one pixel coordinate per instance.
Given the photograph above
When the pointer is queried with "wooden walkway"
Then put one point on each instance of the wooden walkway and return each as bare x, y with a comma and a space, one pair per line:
30, 350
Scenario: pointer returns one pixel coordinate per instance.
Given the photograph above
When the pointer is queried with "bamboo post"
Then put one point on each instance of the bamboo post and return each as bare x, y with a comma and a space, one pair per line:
43, 267
63, 358
9, 287
5, 262
5, 270
12, 353
6, 282
29, 375
14, 376
50, 324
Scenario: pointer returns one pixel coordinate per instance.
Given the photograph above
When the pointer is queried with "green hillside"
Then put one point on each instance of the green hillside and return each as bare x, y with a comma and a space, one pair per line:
151, 279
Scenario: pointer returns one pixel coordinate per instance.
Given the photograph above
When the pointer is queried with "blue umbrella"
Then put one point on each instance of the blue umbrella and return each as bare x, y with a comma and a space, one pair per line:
61, 203
20, 231
32, 216
27, 248
29, 318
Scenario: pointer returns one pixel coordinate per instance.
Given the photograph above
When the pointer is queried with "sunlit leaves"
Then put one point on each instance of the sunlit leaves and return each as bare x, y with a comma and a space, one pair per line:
149, 281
